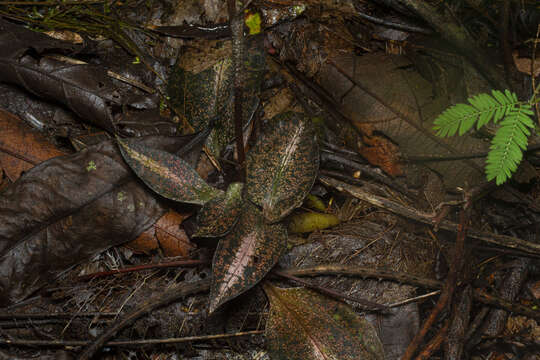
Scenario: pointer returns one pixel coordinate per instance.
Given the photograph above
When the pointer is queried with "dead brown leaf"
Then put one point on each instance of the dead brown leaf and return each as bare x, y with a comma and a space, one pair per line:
22, 147
166, 234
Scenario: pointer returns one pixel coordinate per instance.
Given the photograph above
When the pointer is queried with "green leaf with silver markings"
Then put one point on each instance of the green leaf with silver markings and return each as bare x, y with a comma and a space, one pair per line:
304, 325
245, 256
200, 87
283, 165
166, 173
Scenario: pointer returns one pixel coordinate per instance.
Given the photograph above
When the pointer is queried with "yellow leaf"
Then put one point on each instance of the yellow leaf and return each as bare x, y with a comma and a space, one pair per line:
311, 221
253, 22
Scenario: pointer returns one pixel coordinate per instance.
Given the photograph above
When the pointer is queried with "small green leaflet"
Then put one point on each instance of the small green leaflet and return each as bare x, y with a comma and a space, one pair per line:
304, 325
245, 256
511, 138
220, 214
509, 143
283, 165
167, 174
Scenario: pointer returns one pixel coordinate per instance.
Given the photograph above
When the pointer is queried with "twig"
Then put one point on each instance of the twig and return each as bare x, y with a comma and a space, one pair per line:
459, 322
533, 77
482, 11
448, 288
414, 299
64, 315
177, 292
18, 156
68, 343
393, 25
180, 263
190, 31
50, 3
485, 298
237, 33
378, 201
370, 305
403, 278
435, 343
17, 324
364, 272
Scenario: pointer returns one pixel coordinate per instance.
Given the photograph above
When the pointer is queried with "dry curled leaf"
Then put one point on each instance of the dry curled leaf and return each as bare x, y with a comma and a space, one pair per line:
166, 234
22, 147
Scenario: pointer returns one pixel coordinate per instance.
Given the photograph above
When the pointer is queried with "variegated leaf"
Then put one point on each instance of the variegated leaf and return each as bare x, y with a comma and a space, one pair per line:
166, 173
283, 165
219, 215
200, 87
245, 255
304, 325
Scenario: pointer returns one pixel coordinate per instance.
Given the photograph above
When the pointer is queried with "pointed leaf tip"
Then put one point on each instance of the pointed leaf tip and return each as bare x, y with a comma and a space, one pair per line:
166, 174
245, 256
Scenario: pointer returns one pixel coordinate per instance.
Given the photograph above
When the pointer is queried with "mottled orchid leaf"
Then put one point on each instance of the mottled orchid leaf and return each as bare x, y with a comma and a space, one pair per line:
200, 87
283, 165
304, 325
219, 215
245, 255
166, 174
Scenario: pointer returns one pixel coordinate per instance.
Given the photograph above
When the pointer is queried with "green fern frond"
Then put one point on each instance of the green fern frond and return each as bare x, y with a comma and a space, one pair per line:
509, 143
460, 118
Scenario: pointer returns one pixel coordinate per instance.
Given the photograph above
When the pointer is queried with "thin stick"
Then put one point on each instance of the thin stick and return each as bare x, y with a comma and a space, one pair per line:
67, 343
414, 299
365, 272
448, 289
334, 294
180, 263
435, 343
64, 315
49, 3
237, 33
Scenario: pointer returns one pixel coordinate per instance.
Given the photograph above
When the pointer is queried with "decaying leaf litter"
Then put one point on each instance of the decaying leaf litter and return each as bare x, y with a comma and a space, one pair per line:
340, 96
